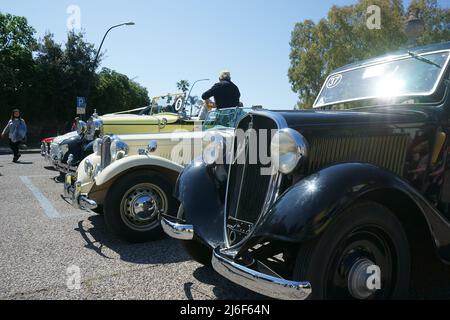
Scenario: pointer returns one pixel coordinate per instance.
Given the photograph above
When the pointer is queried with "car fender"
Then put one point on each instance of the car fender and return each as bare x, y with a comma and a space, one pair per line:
87, 182
127, 163
202, 201
306, 209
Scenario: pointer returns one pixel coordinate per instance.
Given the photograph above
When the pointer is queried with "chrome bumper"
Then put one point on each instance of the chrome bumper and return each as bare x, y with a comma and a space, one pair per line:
262, 283
64, 168
177, 231
267, 285
44, 151
73, 194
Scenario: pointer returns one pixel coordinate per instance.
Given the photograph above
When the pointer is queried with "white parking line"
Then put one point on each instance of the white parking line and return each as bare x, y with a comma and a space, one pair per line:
50, 211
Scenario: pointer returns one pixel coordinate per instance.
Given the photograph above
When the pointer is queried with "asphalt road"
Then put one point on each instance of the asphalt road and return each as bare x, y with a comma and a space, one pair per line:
41, 236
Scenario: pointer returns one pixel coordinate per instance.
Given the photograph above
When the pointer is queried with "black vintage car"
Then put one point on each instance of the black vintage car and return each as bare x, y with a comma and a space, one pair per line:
356, 186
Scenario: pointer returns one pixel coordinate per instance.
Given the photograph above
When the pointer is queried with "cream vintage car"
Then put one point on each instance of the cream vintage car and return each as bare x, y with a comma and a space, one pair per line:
165, 114
130, 178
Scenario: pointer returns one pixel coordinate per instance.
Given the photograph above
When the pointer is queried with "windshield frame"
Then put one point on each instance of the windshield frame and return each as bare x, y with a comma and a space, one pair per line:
245, 109
380, 62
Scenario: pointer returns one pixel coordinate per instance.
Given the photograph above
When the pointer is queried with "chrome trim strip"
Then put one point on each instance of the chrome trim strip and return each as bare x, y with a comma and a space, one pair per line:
267, 285
105, 157
403, 57
176, 230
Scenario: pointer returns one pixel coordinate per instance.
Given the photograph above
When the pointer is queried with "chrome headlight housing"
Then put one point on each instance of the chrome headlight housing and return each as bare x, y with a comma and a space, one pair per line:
81, 127
288, 149
54, 151
213, 149
70, 159
98, 126
94, 128
88, 168
119, 149
63, 149
97, 146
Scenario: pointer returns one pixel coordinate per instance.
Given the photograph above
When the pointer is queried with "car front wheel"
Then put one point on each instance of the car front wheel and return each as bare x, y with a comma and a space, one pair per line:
133, 204
364, 254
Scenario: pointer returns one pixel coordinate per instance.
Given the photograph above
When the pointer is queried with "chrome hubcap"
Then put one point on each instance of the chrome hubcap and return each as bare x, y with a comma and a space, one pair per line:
358, 279
141, 206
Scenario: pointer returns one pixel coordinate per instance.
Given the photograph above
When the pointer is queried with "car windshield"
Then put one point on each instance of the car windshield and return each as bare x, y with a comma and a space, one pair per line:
224, 118
411, 75
171, 102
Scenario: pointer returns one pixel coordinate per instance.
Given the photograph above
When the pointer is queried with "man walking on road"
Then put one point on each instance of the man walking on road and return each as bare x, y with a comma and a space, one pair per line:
226, 94
16, 130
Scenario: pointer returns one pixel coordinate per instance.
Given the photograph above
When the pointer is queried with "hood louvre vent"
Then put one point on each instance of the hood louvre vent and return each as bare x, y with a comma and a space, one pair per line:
388, 152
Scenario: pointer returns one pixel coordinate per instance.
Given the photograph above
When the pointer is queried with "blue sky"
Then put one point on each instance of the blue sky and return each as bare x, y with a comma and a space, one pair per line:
189, 39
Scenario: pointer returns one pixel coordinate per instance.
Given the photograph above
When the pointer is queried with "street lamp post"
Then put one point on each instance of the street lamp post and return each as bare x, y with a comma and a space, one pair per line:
98, 54
104, 37
189, 94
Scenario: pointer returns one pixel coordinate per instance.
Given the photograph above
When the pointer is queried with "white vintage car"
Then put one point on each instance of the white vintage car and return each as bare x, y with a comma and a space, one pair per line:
130, 178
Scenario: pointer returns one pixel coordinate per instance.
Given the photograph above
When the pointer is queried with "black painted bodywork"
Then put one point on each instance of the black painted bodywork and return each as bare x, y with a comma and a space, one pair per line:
312, 199
79, 147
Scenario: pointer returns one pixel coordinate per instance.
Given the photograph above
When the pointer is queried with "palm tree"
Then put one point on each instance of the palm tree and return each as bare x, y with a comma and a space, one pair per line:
183, 85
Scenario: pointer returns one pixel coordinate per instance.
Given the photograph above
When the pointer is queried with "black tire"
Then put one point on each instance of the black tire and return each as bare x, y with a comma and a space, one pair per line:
98, 210
61, 177
198, 252
120, 222
365, 230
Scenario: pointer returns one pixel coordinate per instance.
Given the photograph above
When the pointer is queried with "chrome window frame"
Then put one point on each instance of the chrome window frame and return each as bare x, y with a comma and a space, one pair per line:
387, 60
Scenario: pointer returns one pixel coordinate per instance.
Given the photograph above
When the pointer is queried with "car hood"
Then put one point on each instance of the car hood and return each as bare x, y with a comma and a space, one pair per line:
112, 119
360, 118
64, 137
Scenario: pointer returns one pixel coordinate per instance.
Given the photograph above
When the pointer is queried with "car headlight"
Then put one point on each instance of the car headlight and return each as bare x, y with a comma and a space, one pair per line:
81, 127
98, 126
119, 149
88, 168
63, 149
94, 128
97, 146
288, 149
213, 149
70, 159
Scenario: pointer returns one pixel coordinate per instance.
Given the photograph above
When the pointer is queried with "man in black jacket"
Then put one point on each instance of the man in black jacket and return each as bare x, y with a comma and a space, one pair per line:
226, 94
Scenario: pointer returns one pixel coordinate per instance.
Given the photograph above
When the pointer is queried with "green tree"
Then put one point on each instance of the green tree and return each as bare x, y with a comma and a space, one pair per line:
48, 79
437, 21
343, 37
43, 78
116, 92
16, 62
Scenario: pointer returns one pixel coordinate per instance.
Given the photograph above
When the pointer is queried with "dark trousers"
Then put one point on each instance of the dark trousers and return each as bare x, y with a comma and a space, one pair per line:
15, 148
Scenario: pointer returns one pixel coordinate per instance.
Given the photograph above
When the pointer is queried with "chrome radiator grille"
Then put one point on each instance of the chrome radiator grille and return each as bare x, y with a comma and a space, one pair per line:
247, 187
106, 152
388, 152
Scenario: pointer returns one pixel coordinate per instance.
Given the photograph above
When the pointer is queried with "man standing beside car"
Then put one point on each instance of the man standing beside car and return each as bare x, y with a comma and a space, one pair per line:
226, 94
